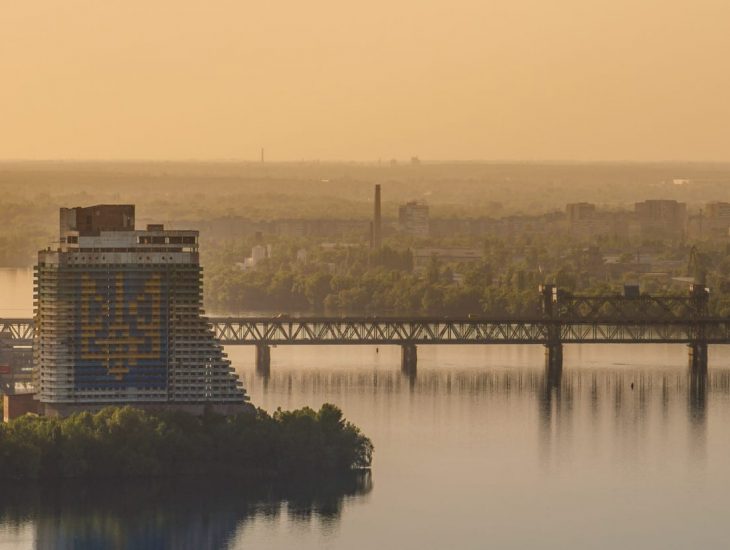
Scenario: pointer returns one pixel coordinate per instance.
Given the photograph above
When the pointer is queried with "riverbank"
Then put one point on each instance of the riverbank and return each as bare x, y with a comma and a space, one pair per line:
128, 442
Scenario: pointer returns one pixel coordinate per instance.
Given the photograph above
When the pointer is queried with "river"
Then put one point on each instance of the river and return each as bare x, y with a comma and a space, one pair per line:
477, 450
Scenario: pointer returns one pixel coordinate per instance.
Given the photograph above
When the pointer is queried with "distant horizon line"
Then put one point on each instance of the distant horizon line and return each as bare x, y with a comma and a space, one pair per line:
384, 163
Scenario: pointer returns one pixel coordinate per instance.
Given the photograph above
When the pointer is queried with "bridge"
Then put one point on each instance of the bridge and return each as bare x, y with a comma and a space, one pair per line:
410, 333
631, 318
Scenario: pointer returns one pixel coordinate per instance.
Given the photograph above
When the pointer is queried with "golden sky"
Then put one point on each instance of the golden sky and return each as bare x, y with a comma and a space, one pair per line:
338, 80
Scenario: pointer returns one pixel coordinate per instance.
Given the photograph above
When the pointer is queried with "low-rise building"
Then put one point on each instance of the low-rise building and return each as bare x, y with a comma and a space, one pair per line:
259, 252
422, 257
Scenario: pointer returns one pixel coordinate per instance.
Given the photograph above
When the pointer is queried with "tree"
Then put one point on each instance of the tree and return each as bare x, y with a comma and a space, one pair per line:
316, 288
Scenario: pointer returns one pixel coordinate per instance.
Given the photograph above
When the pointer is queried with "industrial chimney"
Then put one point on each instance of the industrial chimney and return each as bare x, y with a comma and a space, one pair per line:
377, 235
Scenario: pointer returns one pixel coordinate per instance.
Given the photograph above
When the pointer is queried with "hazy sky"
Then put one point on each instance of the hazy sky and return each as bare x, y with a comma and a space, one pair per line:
456, 79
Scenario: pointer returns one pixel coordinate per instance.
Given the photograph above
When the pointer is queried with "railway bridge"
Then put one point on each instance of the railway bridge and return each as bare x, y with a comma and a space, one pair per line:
631, 318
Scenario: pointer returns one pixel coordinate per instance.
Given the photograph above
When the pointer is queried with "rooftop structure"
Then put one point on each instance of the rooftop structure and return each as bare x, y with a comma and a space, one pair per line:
92, 220
119, 319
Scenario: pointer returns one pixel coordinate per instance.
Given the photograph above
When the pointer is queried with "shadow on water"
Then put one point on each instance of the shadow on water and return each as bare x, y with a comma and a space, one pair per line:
164, 513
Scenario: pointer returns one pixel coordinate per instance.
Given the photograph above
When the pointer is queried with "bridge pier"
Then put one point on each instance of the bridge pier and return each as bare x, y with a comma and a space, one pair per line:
408, 359
263, 359
698, 357
554, 362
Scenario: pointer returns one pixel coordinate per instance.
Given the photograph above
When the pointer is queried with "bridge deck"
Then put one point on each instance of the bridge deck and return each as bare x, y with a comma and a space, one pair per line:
343, 331
365, 330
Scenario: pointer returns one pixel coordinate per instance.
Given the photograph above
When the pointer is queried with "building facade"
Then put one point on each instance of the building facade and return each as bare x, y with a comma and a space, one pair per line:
661, 218
580, 211
422, 257
413, 219
717, 223
119, 319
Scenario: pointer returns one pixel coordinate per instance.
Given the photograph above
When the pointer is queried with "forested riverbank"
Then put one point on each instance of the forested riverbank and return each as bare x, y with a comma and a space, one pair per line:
128, 442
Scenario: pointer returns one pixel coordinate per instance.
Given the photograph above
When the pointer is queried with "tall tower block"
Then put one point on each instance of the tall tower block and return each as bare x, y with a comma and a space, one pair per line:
377, 224
119, 320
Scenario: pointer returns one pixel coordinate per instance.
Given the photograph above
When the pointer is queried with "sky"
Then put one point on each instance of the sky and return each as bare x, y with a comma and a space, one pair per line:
336, 80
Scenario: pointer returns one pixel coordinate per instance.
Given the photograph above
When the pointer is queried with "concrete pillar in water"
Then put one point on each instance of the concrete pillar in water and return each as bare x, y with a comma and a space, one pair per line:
408, 359
549, 295
263, 359
699, 299
553, 363
698, 357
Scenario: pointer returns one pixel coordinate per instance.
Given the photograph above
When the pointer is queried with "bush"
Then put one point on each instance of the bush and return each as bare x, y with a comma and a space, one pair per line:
128, 442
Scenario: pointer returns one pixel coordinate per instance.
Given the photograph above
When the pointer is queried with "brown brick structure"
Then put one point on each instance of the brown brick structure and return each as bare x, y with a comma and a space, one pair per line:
18, 404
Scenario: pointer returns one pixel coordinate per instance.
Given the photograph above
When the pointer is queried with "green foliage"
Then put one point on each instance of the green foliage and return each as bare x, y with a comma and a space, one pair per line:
355, 280
128, 442
229, 202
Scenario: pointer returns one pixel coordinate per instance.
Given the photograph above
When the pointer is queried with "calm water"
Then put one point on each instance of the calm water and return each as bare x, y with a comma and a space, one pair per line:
477, 451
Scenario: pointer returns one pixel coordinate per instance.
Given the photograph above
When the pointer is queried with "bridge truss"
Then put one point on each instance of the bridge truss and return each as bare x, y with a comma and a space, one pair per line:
318, 331
381, 331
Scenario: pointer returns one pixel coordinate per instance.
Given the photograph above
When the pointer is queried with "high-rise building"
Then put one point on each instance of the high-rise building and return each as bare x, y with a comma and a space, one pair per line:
119, 319
580, 211
413, 219
712, 223
659, 218
718, 210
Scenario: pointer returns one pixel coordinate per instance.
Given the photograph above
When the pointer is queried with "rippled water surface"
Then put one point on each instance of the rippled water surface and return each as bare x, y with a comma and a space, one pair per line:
477, 450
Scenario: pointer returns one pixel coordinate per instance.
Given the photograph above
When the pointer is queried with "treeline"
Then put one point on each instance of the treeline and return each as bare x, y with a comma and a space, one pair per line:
128, 442
165, 191
355, 280
373, 291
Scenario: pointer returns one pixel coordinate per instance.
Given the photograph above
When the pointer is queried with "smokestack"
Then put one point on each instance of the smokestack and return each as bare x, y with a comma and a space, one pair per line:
376, 219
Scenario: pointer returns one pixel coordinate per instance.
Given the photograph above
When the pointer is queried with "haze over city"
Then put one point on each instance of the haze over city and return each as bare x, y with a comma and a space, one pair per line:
364, 275
460, 80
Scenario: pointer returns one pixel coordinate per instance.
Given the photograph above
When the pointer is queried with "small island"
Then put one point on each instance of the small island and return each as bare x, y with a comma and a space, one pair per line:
129, 442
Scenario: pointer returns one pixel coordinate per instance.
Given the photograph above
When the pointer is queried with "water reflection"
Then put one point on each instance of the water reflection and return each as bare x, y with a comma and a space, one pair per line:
639, 402
697, 396
618, 408
616, 385
175, 514
697, 414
